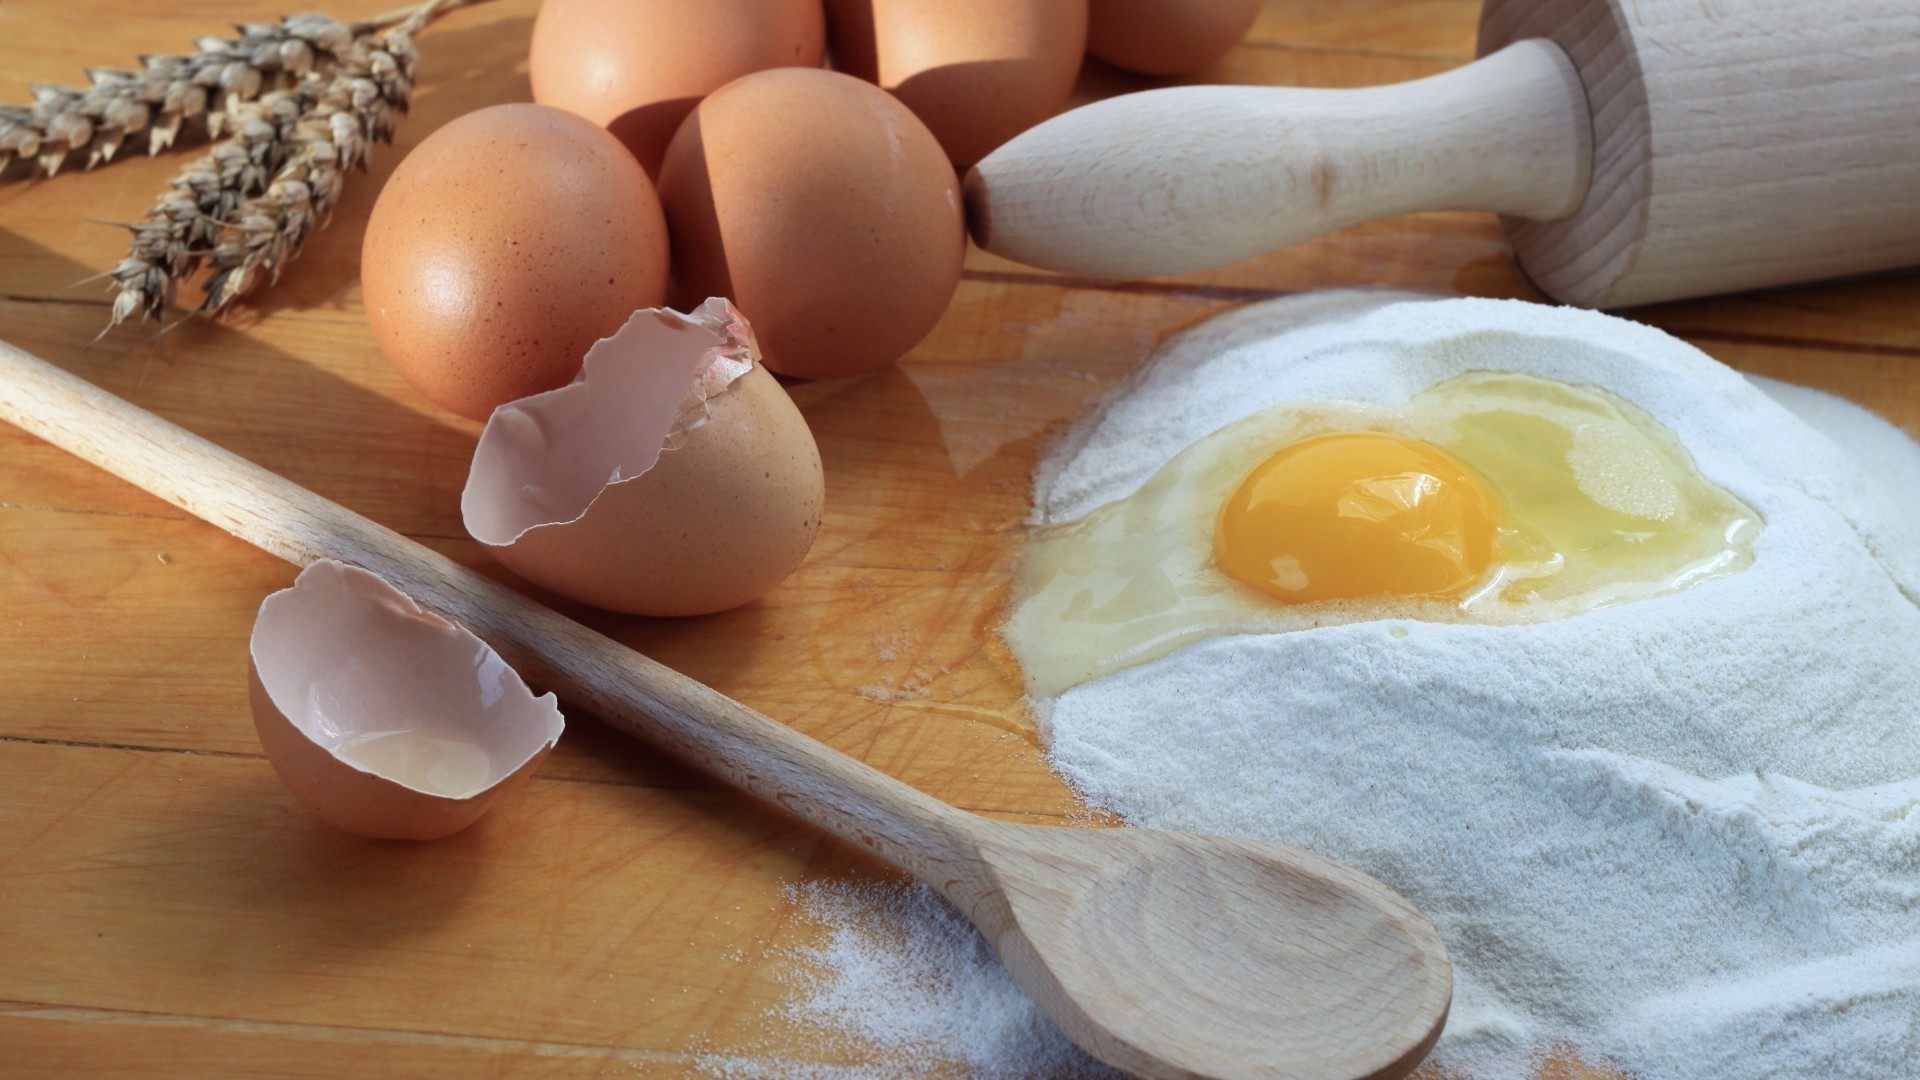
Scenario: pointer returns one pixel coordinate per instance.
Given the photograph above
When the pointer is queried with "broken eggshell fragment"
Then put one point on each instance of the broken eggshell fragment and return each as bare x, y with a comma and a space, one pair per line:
383, 718
673, 476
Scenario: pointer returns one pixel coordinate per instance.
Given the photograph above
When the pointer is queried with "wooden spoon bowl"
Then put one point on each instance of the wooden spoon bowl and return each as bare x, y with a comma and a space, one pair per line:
1174, 955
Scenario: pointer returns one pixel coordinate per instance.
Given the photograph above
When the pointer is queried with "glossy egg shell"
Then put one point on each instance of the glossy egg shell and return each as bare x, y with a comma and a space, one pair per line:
502, 248
637, 67
1167, 37
354, 800
824, 209
977, 74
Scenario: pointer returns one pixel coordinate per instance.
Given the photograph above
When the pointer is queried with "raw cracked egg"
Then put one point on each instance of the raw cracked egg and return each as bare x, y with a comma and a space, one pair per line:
1600, 652
383, 718
1490, 496
674, 476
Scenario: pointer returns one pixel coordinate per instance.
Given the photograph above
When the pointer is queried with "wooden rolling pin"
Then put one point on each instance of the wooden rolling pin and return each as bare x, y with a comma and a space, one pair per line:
1640, 150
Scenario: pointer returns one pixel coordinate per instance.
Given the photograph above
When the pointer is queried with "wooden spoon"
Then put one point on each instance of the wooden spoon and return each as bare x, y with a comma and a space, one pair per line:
1165, 954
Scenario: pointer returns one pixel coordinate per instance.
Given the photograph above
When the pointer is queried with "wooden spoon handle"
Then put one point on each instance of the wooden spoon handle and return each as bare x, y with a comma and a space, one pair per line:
1170, 181
845, 797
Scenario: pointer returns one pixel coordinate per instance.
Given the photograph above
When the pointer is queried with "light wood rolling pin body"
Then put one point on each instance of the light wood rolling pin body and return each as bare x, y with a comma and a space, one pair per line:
1639, 150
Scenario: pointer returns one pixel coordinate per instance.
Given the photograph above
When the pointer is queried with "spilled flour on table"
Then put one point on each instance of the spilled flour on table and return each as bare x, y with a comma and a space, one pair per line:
1681, 834
904, 985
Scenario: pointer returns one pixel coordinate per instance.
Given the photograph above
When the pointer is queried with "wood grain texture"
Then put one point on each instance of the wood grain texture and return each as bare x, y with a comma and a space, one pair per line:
1737, 144
1733, 146
1288, 964
166, 908
1188, 178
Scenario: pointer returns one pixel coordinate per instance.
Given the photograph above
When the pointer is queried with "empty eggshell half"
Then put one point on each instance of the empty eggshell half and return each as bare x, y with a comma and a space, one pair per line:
384, 718
673, 476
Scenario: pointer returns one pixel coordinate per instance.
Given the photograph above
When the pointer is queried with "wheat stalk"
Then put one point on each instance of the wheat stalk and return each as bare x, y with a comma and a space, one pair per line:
166, 92
353, 110
245, 207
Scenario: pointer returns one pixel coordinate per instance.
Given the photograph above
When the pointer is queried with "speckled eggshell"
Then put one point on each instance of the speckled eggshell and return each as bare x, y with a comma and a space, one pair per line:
824, 209
502, 248
977, 73
714, 524
1167, 37
637, 67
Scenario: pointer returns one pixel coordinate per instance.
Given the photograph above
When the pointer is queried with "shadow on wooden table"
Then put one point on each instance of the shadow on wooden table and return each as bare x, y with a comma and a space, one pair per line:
280, 863
319, 425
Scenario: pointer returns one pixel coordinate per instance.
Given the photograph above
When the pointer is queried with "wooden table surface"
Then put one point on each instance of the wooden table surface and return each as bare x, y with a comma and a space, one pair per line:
165, 907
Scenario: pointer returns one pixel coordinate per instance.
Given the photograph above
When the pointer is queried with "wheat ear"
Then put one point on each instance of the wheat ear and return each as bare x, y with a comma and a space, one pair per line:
165, 93
245, 207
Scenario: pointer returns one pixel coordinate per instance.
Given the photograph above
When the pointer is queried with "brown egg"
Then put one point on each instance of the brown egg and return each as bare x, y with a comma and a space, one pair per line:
1167, 37
637, 67
502, 248
716, 486
824, 209
976, 73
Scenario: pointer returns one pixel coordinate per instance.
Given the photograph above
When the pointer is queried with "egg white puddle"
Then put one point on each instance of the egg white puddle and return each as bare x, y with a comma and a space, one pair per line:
1598, 507
1683, 832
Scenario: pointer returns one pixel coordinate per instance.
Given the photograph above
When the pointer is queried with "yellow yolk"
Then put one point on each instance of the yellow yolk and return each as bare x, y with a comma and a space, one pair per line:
1358, 514
1492, 498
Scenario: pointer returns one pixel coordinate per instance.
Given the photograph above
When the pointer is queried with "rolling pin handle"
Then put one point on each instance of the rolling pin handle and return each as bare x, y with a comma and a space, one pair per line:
1187, 178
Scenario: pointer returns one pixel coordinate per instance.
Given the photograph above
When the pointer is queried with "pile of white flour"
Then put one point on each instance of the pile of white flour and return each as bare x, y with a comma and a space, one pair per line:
1681, 834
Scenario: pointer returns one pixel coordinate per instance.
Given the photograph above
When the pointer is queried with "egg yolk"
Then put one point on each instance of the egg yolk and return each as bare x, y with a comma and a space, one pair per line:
1358, 514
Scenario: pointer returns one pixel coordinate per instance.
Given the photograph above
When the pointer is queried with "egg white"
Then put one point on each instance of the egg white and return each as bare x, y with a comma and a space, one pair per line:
1598, 507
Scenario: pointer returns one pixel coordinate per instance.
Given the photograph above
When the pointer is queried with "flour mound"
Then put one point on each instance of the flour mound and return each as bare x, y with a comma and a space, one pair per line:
1682, 834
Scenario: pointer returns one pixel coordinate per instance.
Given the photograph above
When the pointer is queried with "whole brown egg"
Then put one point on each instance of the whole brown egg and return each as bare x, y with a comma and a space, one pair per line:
977, 73
1167, 37
502, 248
824, 210
637, 67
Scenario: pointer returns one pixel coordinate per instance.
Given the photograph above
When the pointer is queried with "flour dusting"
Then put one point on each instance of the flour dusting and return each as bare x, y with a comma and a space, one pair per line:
904, 984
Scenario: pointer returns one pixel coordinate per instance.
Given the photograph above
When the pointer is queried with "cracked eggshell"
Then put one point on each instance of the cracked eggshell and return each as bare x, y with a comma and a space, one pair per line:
673, 477
383, 718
